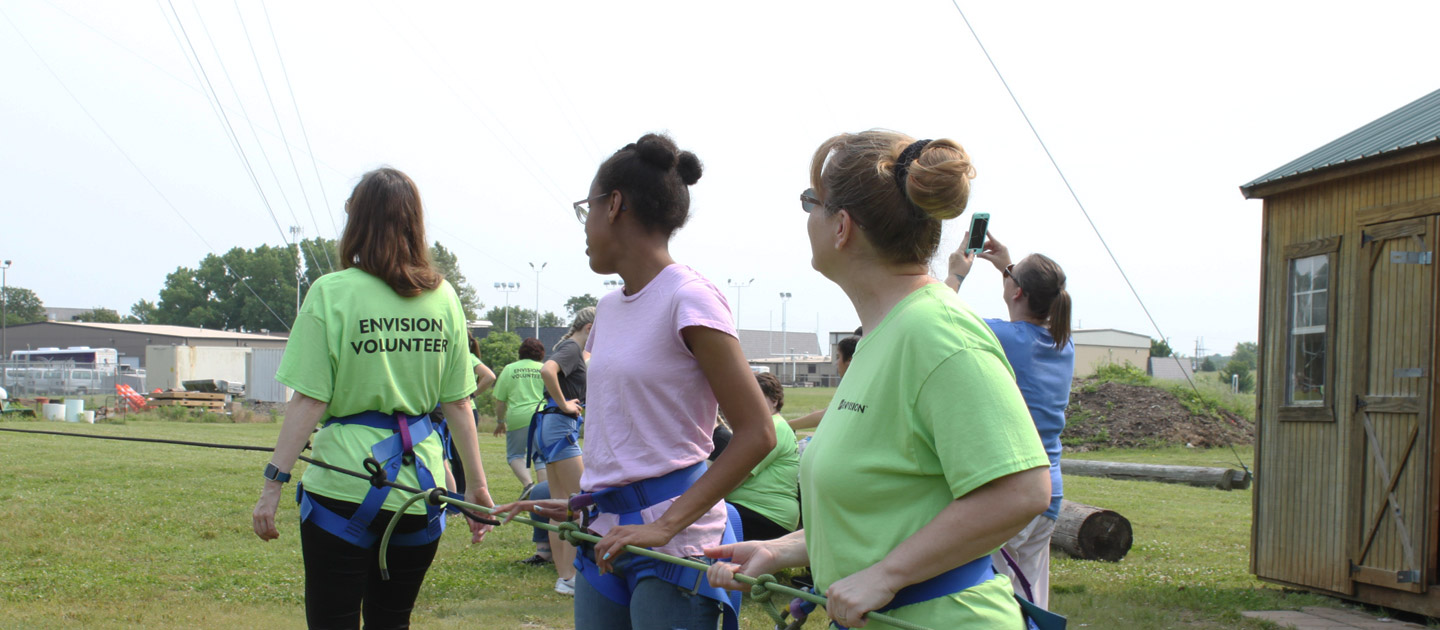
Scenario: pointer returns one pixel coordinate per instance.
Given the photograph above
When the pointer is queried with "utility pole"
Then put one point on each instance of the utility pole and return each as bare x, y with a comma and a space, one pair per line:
4, 310
537, 295
738, 286
507, 288
295, 235
784, 332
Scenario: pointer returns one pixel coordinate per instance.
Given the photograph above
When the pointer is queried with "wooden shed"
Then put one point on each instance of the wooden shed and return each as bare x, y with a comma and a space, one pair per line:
1347, 463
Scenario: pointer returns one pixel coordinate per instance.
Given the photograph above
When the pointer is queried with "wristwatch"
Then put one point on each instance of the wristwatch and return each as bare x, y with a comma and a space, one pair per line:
273, 474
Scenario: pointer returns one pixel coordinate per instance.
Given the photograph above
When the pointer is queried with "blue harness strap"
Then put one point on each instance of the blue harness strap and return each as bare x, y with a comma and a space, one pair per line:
627, 502
546, 452
975, 572
392, 453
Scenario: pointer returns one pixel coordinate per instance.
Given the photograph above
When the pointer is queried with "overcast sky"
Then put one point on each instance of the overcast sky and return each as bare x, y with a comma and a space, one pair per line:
501, 112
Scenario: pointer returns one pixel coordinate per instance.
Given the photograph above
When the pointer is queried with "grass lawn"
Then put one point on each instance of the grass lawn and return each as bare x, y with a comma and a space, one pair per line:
104, 534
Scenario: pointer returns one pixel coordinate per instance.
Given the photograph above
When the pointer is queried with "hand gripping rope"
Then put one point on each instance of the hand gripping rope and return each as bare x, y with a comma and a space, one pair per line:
762, 588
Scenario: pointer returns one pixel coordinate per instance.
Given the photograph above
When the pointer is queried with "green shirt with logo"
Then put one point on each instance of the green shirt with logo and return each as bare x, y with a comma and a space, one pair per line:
928, 412
520, 386
359, 346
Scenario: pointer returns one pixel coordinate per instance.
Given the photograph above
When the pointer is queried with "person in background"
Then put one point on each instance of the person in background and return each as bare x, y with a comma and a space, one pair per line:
768, 500
484, 380
666, 359
927, 460
556, 430
844, 354
519, 393
375, 388
1037, 343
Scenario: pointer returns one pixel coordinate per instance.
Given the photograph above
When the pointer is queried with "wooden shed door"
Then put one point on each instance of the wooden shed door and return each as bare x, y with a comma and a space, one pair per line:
1391, 432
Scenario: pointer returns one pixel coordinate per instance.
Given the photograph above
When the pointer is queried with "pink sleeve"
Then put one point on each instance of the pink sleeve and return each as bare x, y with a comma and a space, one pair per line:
700, 303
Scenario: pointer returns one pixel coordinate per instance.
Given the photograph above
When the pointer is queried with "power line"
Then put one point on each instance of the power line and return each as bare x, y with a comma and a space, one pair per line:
281, 127
1078, 203
301, 119
225, 120
136, 166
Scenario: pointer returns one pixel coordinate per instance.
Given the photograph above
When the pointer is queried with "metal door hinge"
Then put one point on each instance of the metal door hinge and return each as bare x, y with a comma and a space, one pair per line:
1411, 258
1410, 373
1407, 577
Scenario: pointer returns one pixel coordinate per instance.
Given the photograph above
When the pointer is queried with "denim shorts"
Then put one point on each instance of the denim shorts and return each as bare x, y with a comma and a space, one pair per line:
515, 446
558, 428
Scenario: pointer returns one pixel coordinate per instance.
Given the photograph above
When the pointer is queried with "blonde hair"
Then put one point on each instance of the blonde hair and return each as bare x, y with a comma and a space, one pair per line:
582, 317
856, 172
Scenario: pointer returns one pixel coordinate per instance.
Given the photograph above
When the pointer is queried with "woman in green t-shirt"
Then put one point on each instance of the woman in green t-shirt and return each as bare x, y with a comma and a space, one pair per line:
518, 394
768, 500
927, 460
374, 349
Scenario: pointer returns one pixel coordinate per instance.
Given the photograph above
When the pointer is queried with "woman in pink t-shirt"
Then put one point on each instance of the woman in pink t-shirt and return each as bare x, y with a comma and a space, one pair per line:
665, 356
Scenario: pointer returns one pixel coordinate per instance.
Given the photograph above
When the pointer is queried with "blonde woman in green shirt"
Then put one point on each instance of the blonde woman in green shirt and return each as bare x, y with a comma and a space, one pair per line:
927, 460
374, 349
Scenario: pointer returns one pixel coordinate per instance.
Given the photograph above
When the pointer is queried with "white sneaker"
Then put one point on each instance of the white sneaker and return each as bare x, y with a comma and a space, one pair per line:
565, 587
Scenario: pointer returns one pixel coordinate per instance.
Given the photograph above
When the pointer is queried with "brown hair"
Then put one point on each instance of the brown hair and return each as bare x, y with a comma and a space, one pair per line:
654, 176
385, 234
474, 345
532, 349
770, 386
856, 172
1043, 282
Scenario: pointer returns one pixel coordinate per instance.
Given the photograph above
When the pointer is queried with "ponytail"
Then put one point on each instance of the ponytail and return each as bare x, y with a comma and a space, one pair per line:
1059, 322
1043, 282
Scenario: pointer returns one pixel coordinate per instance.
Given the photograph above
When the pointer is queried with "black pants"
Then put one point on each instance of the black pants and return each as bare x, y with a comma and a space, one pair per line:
341, 579
758, 527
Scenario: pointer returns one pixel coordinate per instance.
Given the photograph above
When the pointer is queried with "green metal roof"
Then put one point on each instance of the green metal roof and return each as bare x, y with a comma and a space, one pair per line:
1414, 124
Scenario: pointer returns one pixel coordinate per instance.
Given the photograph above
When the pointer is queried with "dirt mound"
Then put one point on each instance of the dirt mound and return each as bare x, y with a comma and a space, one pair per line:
1109, 415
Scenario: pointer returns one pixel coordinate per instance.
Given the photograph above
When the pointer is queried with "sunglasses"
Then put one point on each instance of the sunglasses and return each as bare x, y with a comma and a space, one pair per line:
809, 202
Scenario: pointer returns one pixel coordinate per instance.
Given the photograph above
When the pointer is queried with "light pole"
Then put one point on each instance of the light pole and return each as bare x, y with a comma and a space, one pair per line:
295, 234
4, 310
537, 295
507, 288
784, 332
738, 286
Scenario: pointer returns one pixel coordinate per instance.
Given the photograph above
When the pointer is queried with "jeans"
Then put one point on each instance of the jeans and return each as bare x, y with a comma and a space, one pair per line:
340, 578
540, 492
654, 605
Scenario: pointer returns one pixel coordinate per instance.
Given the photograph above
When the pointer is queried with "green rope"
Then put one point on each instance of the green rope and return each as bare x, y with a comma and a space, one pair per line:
761, 588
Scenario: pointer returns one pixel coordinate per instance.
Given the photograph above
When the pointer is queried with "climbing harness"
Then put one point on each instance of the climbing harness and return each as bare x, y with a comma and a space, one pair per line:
627, 502
391, 453
534, 449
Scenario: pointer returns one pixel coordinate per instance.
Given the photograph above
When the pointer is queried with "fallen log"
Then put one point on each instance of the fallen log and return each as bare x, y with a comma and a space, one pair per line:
1091, 533
1199, 476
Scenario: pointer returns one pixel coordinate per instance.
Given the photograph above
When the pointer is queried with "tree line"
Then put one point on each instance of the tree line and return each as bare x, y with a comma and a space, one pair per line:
254, 290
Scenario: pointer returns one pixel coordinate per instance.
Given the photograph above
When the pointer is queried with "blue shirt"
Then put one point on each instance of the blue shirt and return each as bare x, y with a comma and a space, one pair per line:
1043, 373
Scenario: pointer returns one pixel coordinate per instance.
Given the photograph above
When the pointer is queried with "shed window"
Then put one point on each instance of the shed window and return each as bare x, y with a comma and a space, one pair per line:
1309, 295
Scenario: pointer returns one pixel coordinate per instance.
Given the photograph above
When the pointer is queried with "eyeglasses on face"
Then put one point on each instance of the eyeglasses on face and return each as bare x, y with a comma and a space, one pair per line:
582, 207
809, 202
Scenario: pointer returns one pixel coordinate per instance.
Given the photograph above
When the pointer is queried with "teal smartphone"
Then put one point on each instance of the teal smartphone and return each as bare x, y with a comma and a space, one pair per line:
978, 225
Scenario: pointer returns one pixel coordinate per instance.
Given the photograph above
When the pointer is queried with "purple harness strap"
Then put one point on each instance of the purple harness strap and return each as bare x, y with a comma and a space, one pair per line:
406, 445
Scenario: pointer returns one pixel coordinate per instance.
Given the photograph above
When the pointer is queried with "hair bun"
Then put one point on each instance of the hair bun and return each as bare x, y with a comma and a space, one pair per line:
938, 181
657, 151
689, 168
